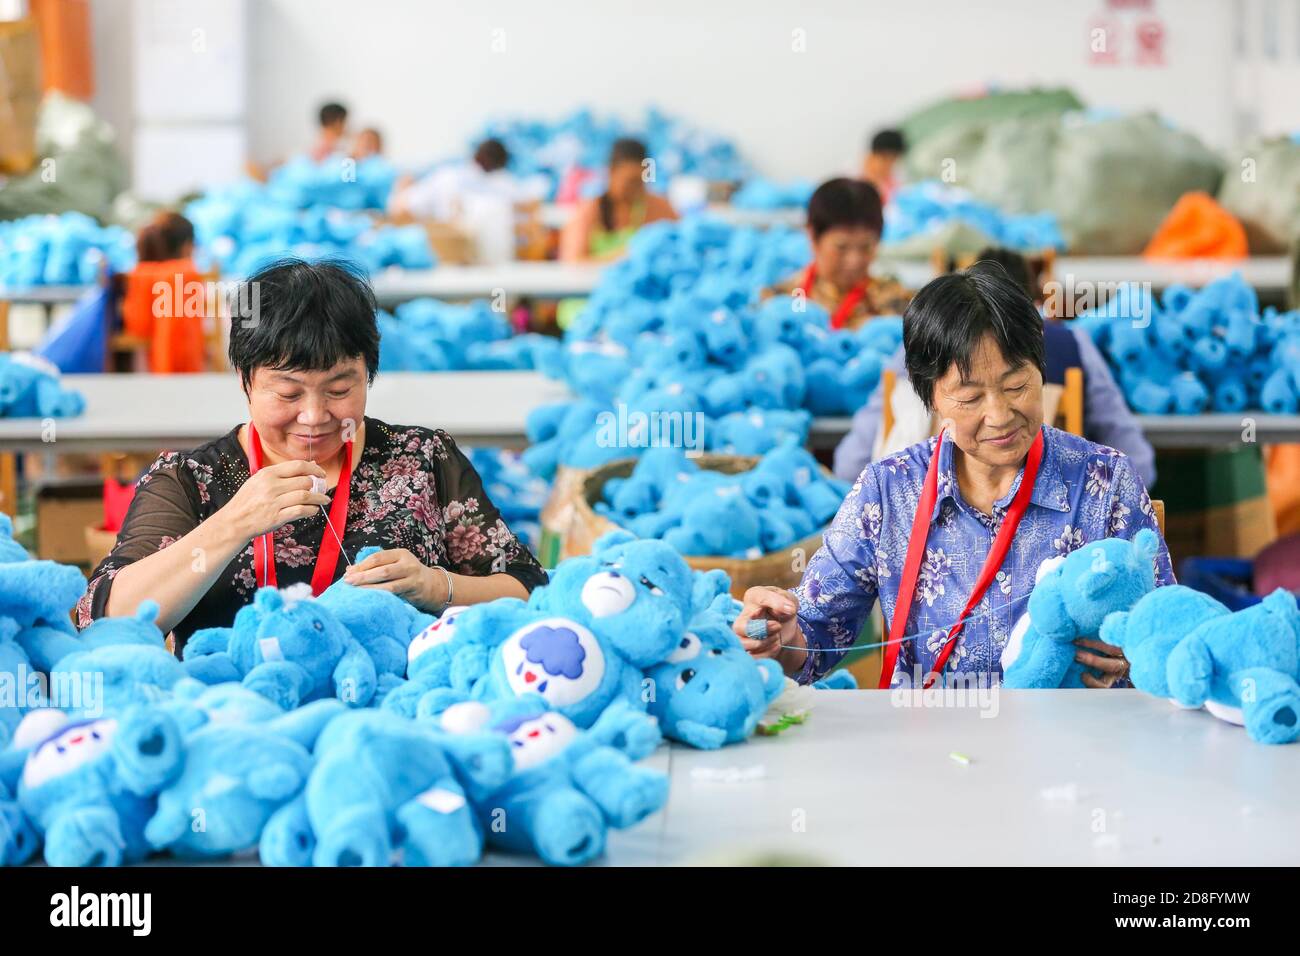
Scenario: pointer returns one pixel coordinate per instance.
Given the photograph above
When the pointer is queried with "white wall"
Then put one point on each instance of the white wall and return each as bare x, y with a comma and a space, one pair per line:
426, 74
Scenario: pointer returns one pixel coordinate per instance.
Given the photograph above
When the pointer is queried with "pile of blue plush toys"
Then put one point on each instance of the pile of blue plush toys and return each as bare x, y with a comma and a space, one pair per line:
429, 335
550, 149
761, 194
30, 387
923, 208
305, 210
1181, 644
352, 729
69, 249
784, 498
674, 333
1197, 351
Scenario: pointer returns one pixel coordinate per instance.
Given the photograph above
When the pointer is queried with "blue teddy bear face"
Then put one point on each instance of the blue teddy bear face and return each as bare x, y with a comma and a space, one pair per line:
437, 634
276, 629
537, 738
74, 746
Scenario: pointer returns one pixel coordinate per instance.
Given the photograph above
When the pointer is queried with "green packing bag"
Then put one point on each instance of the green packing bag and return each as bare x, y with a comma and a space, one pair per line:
1261, 187
983, 110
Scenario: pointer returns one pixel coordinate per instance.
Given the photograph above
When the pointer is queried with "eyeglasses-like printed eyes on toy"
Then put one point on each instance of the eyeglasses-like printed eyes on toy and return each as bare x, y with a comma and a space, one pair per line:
654, 588
685, 677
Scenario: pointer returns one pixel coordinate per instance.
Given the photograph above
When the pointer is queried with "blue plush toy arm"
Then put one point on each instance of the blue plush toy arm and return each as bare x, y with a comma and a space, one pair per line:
287, 838
148, 750
625, 793
354, 677
624, 728
305, 724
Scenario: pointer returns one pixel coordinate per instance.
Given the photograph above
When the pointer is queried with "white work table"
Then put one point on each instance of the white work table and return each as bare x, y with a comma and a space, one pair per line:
873, 783
138, 412
538, 280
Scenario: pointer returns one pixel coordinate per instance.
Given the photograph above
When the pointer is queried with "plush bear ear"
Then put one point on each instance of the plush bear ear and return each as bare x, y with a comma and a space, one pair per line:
1147, 542
612, 539
1050, 566
1282, 601
276, 782
147, 611
366, 552
268, 599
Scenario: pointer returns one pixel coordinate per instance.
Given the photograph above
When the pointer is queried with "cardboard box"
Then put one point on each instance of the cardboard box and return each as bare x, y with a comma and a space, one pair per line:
20, 94
63, 510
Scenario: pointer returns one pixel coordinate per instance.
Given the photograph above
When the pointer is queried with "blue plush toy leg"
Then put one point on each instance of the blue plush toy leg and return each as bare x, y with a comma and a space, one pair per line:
18, 840
211, 669
355, 679
439, 828
697, 735
287, 838
403, 698
562, 826
625, 792
1270, 702
284, 683
88, 836
627, 729
356, 836
149, 750
1190, 671
1043, 662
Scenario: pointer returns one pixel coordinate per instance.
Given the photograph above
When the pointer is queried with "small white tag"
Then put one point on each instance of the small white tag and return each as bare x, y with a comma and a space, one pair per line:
443, 801
271, 649
317, 485
802, 476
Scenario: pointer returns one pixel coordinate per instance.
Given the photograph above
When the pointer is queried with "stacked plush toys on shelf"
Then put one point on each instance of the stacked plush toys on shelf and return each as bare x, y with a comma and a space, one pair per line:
428, 335
353, 729
30, 387
1210, 350
674, 337
924, 208
783, 499
246, 225
69, 249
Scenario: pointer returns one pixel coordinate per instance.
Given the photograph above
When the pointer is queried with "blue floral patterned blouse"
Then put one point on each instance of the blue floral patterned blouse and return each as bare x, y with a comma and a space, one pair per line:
1084, 492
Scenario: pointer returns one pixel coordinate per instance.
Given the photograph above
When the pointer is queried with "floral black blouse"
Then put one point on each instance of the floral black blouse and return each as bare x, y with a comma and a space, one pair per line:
413, 489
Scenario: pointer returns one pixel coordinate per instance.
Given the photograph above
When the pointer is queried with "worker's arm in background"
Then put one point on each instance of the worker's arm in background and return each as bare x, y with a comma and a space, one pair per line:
1107, 419
575, 238
856, 449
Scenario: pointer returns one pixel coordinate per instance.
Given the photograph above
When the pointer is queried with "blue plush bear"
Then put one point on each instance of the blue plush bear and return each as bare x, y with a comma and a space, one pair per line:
428, 667
384, 784
30, 388
581, 641
287, 646
35, 592
1070, 600
710, 691
1243, 667
236, 776
19, 841
569, 786
381, 622
89, 788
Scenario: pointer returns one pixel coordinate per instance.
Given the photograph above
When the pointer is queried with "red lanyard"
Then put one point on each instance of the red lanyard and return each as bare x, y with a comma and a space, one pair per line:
916, 551
847, 304
327, 558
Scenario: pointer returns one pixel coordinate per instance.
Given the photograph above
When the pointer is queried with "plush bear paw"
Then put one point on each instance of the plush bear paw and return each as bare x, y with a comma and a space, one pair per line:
437, 829
88, 838
1275, 719
568, 829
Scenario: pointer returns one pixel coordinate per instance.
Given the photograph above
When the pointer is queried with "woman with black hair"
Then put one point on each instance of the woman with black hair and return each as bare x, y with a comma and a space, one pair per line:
600, 229
845, 221
964, 519
308, 481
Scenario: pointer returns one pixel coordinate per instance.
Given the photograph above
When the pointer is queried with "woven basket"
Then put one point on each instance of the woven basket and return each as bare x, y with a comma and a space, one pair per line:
782, 569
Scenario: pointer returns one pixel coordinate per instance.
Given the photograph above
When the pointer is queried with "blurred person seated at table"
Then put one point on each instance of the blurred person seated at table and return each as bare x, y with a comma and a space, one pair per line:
165, 297
844, 226
964, 520
1107, 419
369, 142
880, 167
600, 228
333, 122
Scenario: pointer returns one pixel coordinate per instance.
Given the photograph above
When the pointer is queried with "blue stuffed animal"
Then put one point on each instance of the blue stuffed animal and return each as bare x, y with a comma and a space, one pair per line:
89, 788
1243, 667
385, 785
381, 622
288, 647
236, 776
1070, 600
709, 691
569, 786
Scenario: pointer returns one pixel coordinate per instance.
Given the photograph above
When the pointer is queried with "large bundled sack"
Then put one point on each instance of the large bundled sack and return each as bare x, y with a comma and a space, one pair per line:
1115, 179
984, 110
90, 171
1266, 195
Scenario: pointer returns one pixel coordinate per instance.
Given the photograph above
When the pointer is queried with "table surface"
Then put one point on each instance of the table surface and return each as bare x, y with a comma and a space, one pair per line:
546, 280
872, 782
140, 412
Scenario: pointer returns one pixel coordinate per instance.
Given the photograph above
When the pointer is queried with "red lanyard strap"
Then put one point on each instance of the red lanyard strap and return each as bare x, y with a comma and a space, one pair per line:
916, 552
847, 304
327, 558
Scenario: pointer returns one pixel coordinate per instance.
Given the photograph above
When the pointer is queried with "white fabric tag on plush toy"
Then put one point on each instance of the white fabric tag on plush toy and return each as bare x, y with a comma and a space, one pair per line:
442, 801
317, 485
270, 647
801, 477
